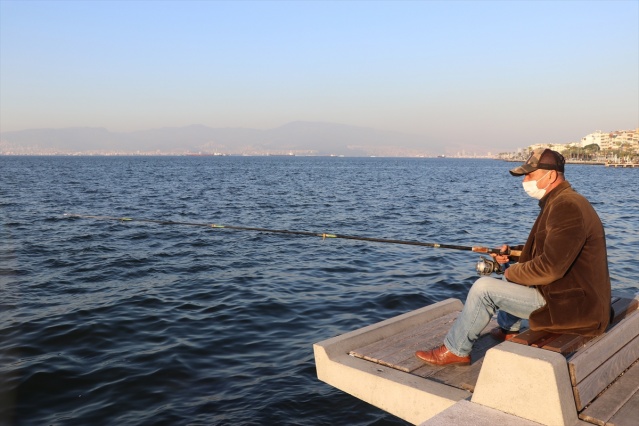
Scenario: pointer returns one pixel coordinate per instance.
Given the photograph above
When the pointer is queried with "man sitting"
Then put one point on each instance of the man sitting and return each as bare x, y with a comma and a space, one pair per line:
561, 282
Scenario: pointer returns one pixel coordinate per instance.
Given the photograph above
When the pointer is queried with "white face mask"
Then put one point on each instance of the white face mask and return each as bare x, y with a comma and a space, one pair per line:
532, 190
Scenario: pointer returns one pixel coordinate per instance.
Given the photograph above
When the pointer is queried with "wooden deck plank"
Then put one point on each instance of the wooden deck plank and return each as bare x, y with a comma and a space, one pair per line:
628, 414
624, 307
545, 340
422, 330
462, 377
405, 359
567, 343
398, 352
588, 388
592, 355
529, 337
614, 398
384, 354
395, 340
466, 377
395, 350
426, 370
410, 346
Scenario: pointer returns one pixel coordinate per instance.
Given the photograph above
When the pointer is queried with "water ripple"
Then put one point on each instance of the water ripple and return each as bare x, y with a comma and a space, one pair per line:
115, 323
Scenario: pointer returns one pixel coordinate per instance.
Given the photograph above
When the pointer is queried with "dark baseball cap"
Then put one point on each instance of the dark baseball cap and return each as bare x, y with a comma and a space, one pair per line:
541, 158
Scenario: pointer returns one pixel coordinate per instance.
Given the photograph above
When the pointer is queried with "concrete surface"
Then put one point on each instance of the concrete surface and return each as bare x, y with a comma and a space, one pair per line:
404, 395
529, 382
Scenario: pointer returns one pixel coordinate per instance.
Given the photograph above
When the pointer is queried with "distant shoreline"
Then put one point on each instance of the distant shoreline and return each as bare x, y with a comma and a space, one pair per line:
581, 162
592, 163
141, 155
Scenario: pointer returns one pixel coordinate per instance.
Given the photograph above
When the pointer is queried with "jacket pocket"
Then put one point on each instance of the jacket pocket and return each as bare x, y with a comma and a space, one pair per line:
567, 307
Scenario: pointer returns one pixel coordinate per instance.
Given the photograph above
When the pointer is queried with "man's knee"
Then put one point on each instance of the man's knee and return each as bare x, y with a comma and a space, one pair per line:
483, 285
486, 282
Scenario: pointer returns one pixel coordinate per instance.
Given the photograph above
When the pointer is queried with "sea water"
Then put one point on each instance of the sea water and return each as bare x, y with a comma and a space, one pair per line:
129, 323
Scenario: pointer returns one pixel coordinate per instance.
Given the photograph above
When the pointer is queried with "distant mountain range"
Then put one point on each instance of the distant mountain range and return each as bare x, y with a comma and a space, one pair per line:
296, 138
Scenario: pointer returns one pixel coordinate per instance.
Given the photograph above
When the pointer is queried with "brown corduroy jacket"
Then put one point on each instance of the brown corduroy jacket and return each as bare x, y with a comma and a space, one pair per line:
565, 259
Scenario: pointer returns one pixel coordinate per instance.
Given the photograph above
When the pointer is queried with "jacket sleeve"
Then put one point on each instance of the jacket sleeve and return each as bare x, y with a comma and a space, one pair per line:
557, 245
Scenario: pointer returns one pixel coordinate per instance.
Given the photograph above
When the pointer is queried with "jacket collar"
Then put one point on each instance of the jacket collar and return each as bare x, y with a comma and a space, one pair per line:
554, 193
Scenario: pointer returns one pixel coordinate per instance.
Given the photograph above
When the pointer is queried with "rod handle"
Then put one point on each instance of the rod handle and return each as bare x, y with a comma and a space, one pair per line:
511, 253
514, 253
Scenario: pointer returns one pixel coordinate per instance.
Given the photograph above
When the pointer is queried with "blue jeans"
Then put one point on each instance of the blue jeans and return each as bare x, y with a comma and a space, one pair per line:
487, 295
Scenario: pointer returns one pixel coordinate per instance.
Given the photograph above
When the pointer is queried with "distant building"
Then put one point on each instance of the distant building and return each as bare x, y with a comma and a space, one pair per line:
608, 142
623, 137
555, 146
613, 140
597, 137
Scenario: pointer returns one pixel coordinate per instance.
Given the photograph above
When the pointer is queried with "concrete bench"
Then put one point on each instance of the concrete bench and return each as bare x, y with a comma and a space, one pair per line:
529, 381
604, 372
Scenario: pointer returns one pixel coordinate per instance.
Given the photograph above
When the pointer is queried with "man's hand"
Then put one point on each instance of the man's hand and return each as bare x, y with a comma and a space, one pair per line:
502, 258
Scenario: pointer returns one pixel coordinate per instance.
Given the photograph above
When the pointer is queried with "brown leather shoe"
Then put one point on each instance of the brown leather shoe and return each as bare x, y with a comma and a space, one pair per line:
498, 334
442, 356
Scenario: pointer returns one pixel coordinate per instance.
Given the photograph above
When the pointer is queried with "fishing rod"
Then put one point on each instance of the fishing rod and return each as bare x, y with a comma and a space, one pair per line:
323, 235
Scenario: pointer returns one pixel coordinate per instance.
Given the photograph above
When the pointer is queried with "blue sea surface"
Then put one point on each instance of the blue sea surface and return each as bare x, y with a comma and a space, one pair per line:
132, 323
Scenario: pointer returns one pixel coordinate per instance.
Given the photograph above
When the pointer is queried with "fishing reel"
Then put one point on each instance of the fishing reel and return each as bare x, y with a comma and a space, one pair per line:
486, 266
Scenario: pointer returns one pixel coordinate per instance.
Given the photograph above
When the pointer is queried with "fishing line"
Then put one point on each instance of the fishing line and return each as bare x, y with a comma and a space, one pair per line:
323, 235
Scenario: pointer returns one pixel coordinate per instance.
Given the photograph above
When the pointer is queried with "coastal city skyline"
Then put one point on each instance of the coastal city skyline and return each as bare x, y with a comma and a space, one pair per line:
481, 77
294, 139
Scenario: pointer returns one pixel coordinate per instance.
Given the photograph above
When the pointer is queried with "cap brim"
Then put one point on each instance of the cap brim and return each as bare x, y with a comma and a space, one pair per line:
524, 169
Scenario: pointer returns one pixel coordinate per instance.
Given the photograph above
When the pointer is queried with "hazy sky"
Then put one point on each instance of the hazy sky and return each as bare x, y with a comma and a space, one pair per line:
504, 74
